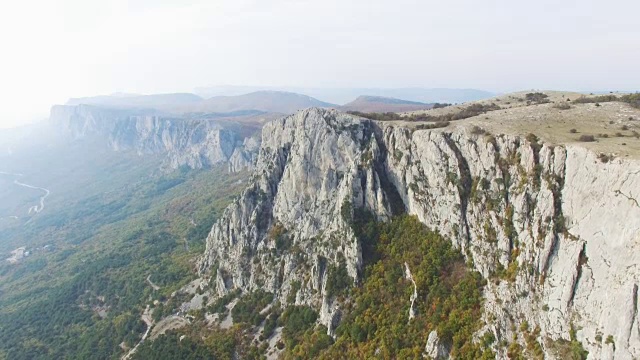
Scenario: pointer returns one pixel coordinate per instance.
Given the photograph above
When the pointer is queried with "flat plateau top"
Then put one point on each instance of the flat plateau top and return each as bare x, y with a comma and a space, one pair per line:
615, 125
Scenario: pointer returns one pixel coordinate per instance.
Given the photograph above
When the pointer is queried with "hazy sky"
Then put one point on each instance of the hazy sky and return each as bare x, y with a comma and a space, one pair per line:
52, 50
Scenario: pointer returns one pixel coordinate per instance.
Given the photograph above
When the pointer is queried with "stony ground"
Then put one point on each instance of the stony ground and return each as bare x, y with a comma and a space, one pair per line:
611, 123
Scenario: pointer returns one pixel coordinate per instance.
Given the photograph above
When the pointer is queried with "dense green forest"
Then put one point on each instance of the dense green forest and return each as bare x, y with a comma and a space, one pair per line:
376, 321
81, 292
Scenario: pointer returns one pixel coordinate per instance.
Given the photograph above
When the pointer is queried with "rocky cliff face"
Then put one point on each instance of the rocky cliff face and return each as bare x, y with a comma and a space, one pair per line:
554, 230
195, 143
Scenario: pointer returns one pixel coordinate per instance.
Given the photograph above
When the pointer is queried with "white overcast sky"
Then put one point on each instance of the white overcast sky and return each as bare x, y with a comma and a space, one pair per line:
53, 50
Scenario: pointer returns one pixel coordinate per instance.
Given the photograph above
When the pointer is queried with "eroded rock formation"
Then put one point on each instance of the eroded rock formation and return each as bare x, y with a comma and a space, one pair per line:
195, 143
554, 230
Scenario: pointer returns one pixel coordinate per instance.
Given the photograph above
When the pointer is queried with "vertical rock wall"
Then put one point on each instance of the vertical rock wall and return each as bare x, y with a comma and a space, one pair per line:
553, 229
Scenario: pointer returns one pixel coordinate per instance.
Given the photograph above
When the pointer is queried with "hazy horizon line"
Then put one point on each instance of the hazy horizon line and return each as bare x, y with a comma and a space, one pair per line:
290, 88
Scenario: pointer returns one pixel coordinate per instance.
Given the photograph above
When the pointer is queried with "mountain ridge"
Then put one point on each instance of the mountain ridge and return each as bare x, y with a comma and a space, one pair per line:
191, 142
475, 189
345, 95
334, 245
134, 101
268, 101
378, 104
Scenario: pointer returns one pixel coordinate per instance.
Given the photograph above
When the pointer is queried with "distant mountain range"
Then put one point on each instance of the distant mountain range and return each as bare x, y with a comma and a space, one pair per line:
367, 103
128, 101
236, 101
345, 95
267, 101
187, 129
185, 103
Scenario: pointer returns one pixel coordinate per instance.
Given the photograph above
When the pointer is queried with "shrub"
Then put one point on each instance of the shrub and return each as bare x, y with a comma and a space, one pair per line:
631, 99
564, 349
598, 337
439, 105
537, 97
562, 106
514, 351
595, 99
338, 279
573, 131
439, 124
577, 350
278, 234
624, 127
270, 324
220, 304
293, 292
610, 341
442, 120
477, 130
604, 157
248, 308
587, 138
346, 211
296, 320
532, 138
619, 134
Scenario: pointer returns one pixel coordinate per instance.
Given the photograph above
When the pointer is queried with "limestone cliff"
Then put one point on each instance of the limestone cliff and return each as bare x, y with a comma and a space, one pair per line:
553, 229
195, 143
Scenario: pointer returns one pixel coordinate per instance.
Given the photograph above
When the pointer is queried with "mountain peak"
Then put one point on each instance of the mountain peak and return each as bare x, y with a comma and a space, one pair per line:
372, 103
386, 100
265, 100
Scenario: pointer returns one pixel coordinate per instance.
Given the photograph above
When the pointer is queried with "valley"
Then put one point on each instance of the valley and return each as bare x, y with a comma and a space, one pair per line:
93, 261
319, 180
326, 234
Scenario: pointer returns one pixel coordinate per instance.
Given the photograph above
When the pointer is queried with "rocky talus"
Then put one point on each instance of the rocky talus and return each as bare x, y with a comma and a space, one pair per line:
553, 229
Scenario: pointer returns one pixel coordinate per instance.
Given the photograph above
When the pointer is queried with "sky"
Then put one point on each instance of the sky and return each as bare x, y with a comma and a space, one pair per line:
53, 50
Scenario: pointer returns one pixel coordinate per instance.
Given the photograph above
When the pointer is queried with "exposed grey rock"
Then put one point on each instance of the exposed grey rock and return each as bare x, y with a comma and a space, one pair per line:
414, 295
308, 166
434, 348
195, 143
564, 225
244, 156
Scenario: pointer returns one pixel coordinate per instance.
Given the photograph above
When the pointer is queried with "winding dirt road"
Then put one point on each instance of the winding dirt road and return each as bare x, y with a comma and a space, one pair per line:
35, 208
146, 317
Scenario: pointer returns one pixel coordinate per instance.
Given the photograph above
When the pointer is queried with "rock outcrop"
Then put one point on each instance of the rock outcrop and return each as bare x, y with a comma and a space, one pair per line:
554, 230
245, 156
195, 143
434, 349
